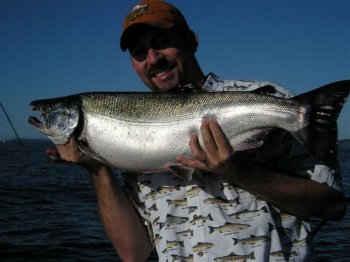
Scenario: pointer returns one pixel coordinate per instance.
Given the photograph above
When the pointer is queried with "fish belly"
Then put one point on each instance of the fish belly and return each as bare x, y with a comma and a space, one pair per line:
139, 147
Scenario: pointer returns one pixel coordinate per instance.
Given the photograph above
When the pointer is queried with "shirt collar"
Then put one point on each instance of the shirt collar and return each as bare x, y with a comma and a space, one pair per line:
213, 83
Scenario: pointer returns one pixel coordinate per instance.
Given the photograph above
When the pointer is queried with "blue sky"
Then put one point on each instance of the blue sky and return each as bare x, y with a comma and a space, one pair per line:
51, 48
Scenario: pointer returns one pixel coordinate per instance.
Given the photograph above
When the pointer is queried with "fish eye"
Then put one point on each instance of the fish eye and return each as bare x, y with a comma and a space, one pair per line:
47, 108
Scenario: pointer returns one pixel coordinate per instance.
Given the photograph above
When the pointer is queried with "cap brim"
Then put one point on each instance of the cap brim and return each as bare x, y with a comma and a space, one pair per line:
126, 34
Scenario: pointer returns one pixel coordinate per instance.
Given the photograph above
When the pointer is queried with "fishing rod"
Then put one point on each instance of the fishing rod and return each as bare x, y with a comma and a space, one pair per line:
13, 127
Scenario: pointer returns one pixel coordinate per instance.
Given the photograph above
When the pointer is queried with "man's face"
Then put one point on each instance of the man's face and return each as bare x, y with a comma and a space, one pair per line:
160, 57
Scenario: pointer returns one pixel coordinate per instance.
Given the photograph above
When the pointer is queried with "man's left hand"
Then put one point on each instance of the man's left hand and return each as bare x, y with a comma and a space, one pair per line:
214, 154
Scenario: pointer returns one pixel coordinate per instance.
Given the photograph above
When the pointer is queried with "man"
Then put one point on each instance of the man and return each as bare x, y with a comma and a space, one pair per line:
251, 205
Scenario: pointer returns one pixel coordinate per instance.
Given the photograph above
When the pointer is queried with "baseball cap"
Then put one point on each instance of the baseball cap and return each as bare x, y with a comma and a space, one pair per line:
155, 13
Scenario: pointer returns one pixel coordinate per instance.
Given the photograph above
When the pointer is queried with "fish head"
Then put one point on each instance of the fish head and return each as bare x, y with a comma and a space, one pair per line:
59, 118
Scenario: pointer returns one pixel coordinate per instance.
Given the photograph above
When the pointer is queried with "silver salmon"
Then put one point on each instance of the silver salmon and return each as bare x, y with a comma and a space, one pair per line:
144, 132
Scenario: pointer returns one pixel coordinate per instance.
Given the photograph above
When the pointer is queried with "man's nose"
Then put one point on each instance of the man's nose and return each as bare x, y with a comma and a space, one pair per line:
153, 55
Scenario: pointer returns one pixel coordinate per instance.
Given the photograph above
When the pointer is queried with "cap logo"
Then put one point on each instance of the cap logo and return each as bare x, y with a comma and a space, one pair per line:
138, 11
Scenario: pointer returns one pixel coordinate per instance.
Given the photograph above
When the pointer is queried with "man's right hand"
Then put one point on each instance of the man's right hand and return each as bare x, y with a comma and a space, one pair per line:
71, 153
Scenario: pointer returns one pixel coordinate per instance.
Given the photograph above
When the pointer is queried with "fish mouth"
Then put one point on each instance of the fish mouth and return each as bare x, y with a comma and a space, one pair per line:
33, 106
35, 122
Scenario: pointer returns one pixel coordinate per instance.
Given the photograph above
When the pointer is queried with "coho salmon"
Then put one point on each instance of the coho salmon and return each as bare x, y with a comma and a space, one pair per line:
145, 131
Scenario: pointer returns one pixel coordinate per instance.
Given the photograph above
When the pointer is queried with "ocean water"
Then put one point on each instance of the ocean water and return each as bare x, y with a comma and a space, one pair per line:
48, 210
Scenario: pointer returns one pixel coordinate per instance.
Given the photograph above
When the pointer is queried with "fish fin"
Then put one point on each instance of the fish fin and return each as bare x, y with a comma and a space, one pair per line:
86, 149
58, 140
211, 229
235, 241
186, 173
321, 135
245, 145
252, 139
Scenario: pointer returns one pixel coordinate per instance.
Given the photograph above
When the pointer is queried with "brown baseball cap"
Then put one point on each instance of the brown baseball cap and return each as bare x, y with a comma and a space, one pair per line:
155, 13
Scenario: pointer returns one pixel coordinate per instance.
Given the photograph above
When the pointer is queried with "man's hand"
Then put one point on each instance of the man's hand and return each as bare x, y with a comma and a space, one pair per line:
70, 152
217, 151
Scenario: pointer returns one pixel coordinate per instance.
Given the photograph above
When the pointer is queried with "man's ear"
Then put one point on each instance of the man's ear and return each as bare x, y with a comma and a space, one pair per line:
132, 62
192, 41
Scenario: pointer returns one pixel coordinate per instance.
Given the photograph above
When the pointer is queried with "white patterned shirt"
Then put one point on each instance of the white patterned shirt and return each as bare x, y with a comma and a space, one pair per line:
213, 220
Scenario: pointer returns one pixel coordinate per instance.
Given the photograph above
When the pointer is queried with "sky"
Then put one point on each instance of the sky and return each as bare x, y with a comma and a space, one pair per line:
53, 48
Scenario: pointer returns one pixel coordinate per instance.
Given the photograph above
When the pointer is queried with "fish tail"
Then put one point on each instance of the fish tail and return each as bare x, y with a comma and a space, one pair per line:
321, 135
235, 241
251, 255
265, 209
211, 229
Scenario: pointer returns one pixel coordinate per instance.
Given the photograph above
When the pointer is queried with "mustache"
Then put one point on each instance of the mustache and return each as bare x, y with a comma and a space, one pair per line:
161, 65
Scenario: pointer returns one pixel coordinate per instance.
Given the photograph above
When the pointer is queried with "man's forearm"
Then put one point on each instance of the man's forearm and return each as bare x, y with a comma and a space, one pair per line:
300, 196
122, 223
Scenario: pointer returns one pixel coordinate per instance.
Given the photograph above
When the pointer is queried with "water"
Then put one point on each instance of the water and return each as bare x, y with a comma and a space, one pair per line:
48, 211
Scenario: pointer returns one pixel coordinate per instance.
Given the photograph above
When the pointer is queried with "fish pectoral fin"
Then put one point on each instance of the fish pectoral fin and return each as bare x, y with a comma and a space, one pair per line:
183, 172
244, 145
186, 173
57, 140
87, 150
253, 139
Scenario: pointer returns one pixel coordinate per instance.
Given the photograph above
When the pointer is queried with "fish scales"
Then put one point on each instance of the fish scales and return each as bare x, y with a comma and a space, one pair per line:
157, 123
150, 107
